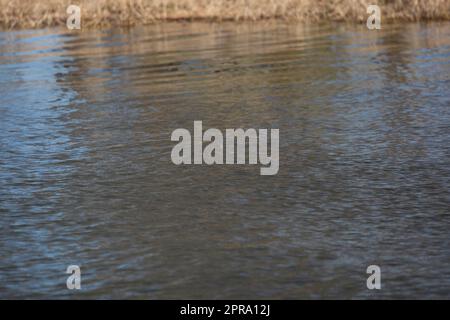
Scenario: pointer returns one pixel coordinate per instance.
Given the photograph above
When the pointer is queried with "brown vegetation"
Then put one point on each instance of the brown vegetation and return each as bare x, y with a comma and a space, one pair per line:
105, 13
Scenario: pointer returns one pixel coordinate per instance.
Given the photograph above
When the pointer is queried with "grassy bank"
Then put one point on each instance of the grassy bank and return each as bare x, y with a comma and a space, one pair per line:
104, 13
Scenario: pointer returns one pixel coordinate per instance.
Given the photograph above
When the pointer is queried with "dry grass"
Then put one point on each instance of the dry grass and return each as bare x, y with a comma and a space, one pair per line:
105, 13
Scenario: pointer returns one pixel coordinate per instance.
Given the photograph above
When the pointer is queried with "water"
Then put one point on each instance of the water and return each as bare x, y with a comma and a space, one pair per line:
86, 176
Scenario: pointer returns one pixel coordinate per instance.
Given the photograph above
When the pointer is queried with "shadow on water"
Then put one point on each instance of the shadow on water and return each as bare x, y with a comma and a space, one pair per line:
87, 178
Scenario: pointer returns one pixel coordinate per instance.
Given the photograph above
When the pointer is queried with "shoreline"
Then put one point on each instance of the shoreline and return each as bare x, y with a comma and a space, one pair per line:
29, 14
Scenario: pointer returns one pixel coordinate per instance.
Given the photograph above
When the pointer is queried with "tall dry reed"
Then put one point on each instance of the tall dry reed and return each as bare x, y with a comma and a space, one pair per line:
104, 13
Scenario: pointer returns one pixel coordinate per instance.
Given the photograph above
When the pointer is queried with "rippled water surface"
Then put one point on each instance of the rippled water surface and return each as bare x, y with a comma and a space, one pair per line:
87, 179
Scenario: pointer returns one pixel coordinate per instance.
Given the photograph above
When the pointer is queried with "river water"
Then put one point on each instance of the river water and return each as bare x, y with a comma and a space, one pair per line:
87, 179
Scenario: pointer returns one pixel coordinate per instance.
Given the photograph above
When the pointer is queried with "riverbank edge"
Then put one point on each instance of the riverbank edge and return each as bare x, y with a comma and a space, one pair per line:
38, 14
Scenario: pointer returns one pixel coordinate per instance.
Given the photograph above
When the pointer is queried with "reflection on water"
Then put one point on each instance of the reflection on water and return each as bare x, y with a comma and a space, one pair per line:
86, 176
